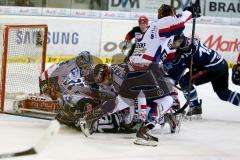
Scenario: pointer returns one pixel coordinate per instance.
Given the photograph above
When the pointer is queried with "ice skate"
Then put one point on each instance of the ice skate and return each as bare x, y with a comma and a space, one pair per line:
145, 139
86, 122
195, 112
84, 126
174, 122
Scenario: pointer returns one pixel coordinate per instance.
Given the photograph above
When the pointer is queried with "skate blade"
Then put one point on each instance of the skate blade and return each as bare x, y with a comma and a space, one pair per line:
142, 142
84, 129
180, 119
193, 117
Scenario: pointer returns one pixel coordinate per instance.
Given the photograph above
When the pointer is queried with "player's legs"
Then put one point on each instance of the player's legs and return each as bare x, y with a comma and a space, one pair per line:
158, 108
220, 86
219, 80
122, 103
184, 84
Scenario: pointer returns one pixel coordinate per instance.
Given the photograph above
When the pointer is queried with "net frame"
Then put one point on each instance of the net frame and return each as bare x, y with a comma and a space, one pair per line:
6, 30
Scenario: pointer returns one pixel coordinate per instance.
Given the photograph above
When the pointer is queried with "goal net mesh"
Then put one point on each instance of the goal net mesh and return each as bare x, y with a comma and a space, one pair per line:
22, 58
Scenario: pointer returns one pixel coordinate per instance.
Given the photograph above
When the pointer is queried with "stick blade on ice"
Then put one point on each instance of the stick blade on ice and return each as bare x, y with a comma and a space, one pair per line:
49, 134
42, 143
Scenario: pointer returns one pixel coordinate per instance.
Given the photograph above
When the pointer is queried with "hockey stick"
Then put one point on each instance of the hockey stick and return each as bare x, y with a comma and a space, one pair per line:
130, 52
196, 11
42, 143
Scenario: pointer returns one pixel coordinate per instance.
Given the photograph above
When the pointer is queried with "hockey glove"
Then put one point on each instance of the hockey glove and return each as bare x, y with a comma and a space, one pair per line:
124, 45
193, 10
236, 74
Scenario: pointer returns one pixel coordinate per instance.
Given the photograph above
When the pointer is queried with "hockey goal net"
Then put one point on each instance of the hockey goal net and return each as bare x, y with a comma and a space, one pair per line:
22, 60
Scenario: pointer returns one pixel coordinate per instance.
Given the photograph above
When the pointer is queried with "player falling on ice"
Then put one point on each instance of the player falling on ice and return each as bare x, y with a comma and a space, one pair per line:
208, 66
61, 82
70, 83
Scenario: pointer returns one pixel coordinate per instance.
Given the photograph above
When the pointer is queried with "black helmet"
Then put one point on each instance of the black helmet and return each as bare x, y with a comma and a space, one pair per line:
177, 37
185, 46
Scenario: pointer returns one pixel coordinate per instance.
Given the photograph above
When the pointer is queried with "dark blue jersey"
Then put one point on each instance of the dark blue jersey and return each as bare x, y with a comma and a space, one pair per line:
205, 58
176, 67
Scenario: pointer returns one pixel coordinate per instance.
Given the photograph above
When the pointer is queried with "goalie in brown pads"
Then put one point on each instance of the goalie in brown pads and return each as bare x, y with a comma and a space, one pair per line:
69, 82
66, 82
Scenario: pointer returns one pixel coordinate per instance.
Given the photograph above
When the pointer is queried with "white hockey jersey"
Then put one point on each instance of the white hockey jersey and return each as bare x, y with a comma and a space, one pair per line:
154, 41
70, 76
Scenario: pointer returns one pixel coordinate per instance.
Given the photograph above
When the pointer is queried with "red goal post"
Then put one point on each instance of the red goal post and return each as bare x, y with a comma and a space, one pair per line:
23, 57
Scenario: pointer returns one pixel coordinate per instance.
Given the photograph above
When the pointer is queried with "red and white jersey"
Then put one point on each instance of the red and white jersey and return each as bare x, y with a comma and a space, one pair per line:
155, 41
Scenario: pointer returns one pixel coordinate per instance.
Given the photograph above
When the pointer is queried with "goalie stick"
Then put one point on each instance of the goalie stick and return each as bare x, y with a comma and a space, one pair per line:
42, 143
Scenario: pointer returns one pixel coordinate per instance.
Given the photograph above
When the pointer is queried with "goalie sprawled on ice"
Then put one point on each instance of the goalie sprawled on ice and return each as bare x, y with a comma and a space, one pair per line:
71, 83
61, 82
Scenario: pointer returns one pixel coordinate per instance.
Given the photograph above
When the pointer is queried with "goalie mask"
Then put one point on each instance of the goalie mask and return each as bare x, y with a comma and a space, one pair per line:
84, 58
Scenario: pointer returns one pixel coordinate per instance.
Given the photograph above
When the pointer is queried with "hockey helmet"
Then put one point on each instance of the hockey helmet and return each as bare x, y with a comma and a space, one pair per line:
182, 39
84, 58
143, 19
165, 10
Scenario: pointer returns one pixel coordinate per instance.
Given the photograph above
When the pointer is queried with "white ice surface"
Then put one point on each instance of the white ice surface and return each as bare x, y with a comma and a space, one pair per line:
216, 137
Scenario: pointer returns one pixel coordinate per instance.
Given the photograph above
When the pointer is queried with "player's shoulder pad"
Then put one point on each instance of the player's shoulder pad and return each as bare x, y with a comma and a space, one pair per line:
165, 21
136, 29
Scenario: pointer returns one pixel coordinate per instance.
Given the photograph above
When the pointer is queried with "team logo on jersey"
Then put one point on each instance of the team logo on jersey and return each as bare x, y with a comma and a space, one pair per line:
75, 72
153, 33
140, 45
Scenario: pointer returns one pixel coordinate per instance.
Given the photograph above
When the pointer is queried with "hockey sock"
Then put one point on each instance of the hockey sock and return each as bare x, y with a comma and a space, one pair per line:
234, 98
193, 97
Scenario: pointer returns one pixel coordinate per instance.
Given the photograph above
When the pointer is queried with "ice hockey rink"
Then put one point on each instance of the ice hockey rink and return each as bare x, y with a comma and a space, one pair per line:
215, 137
